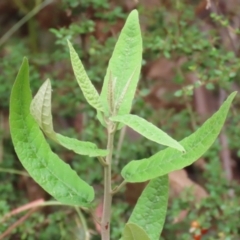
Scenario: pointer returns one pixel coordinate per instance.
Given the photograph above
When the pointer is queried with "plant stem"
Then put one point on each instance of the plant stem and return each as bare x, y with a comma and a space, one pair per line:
28, 16
13, 171
107, 200
84, 223
102, 161
117, 189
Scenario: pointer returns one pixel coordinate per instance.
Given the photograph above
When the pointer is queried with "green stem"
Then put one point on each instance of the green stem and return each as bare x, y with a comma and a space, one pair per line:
102, 161
107, 200
84, 224
13, 171
117, 189
28, 16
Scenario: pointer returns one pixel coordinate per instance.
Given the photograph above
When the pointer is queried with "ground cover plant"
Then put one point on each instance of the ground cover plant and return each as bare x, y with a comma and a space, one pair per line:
30, 117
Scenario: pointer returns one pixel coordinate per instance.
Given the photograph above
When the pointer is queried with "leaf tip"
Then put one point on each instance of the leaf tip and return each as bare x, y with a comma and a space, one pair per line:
234, 93
134, 12
69, 45
25, 59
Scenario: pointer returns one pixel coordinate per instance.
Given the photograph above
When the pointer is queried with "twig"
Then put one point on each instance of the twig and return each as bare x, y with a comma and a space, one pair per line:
13, 171
102, 161
95, 218
117, 189
12, 30
225, 152
17, 223
84, 224
209, 4
225, 31
37, 203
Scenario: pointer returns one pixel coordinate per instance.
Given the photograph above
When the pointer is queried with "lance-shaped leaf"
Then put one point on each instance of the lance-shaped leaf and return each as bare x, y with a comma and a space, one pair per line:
148, 130
169, 159
89, 91
121, 98
41, 111
151, 208
45, 167
134, 232
80, 147
126, 60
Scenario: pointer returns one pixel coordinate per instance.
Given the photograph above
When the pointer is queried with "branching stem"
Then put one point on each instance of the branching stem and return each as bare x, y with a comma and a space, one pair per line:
102, 161
117, 189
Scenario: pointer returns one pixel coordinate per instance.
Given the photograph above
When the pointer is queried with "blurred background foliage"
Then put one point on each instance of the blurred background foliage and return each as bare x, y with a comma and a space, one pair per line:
190, 64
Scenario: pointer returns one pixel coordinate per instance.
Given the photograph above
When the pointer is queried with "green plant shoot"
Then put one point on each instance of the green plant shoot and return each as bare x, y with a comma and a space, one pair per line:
30, 118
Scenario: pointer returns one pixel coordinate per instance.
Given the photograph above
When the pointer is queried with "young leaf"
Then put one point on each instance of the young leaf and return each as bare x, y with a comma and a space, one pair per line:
89, 91
148, 130
151, 208
134, 232
122, 95
41, 111
169, 159
55, 176
80, 147
126, 60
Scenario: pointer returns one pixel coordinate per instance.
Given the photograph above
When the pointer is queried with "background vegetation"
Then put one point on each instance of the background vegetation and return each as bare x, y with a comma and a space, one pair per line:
190, 64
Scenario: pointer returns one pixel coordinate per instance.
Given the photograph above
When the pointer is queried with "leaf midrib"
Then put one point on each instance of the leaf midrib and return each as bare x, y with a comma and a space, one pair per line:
30, 118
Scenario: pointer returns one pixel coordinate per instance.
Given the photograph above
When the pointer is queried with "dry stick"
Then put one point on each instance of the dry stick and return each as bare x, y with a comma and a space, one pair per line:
37, 203
17, 223
209, 4
225, 153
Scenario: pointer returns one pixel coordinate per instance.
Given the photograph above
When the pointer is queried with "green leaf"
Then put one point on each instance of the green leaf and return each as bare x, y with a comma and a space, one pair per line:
169, 159
151, 208
148, 130
41, 111
45, 167
124, 64
80, 147
134, 232
89, 91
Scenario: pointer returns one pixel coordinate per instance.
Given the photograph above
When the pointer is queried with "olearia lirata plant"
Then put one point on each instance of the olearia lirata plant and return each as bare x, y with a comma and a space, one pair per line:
31, 122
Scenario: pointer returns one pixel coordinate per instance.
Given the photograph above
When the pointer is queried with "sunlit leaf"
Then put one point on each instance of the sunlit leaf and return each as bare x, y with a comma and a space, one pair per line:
169, 159
89, 91
148, 130
80, 147
45, 167
124, 64
150, 211
41, 111
134, 232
